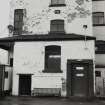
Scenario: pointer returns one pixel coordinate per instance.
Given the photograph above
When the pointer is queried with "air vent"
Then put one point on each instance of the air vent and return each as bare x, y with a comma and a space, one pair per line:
57, 11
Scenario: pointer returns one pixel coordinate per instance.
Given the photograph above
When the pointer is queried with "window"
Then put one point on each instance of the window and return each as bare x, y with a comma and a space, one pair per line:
18, 21
98, 73
11, 62
100, 47
57, 2
57, 26
6, 74
98, 18
52, 59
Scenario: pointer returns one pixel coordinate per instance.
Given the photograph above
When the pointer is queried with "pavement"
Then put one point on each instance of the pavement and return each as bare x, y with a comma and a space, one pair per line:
46, 101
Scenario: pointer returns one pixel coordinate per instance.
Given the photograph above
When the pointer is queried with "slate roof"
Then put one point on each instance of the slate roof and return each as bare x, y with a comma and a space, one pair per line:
7, 42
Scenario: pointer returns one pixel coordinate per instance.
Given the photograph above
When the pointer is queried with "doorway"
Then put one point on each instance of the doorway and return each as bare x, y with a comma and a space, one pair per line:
24, 84
79, 78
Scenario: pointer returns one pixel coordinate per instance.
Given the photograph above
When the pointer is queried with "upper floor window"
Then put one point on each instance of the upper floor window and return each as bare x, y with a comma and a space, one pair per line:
98, 18
52, 59
97, 0
57, 2
57, 26
18, 21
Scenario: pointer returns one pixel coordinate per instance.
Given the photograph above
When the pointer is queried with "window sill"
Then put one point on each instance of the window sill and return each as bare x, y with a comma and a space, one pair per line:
97, 0
51, 71
98, 25
57, 5
57, 32
99, 52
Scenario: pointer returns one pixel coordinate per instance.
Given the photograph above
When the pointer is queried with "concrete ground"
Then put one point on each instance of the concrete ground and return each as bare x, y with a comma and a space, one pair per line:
46, 101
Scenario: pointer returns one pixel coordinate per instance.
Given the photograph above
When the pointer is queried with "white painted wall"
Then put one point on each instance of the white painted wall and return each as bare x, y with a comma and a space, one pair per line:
39, 14
4, 17
29, 59
3, 56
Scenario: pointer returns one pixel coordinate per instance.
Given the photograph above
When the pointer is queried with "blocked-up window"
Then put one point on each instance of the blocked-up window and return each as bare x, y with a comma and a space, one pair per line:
52, 59
98, 18
18, 21
57, 26
57, 2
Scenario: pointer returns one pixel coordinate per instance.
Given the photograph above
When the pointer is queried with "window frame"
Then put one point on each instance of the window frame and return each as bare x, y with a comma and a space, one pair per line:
98, 18
59, 24
57, 3
18, 22
52, 50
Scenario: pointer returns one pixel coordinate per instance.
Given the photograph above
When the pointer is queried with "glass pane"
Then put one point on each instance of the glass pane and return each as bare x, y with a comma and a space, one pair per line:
95, 20
61, 1
54, 63
16, 18
53, 1
61, 28
53, 28
101, 20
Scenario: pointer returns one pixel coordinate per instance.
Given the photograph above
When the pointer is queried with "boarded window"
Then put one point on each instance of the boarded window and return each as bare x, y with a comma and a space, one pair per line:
98, 18
57, 2
52, 59
57, 26
18, 21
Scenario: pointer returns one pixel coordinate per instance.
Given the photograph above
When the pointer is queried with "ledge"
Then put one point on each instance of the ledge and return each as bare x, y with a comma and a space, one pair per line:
57, 5
99, 66
98, 25
51, 71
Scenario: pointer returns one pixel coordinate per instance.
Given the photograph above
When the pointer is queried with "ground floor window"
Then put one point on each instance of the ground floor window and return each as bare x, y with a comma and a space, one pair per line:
52, 59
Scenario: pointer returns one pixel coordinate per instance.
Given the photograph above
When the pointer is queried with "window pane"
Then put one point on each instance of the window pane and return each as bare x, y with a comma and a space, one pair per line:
18, 20
98, 73
53, 1
60, 28
95, 20
57, 26
53, 28
101, 20
60, 1
57, 2
98, 18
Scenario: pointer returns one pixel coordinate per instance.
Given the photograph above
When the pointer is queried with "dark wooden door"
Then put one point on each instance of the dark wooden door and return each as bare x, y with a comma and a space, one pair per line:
79, 79
24, 84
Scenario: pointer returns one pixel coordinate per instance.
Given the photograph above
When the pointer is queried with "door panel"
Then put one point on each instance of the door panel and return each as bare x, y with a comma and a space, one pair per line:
79, 79
24, 84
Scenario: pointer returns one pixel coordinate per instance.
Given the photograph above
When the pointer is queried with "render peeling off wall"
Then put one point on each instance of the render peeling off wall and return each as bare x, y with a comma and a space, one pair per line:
38, 14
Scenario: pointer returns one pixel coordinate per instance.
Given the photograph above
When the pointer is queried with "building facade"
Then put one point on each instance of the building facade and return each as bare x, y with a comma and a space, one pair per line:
53, 48
99, 33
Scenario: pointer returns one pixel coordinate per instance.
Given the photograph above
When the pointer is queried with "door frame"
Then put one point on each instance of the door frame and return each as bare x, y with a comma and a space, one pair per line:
19, 84
90, 76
